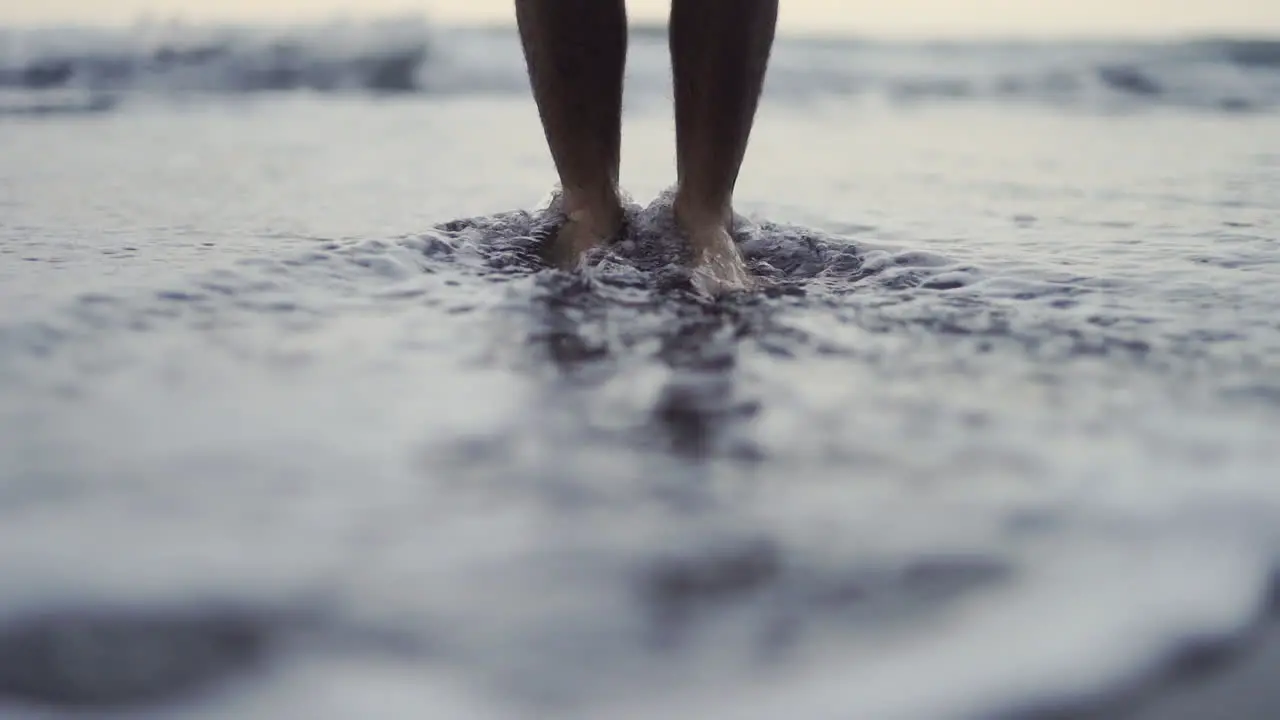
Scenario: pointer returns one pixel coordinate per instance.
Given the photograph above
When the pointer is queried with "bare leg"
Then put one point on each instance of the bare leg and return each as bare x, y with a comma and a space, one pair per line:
719, 55
576, 54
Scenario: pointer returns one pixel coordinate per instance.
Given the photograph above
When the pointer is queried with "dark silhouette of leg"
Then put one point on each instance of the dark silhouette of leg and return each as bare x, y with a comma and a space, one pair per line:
719, 55
576, 54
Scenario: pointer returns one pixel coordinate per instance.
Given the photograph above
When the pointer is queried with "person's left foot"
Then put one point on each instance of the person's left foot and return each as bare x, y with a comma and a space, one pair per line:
718, 267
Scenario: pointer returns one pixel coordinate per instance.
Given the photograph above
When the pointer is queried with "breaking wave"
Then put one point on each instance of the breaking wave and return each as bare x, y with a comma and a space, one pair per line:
95, 68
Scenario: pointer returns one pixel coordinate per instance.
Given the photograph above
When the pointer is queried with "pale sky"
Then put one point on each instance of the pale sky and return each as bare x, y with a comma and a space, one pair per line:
869, 17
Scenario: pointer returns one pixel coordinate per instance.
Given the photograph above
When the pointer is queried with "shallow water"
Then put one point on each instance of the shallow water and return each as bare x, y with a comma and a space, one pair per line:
294, 424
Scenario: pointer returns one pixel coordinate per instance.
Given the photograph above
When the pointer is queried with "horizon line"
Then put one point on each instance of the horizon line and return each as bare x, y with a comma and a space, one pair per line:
648, 27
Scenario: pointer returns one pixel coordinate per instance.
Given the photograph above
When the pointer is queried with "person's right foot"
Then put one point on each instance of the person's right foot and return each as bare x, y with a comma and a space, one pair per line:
582, 232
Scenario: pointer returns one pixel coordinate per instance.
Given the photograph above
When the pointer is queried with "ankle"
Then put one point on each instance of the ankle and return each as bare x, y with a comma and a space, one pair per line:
601, 211
692, 215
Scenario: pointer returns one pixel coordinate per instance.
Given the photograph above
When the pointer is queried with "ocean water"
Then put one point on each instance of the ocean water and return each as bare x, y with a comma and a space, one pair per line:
294, 423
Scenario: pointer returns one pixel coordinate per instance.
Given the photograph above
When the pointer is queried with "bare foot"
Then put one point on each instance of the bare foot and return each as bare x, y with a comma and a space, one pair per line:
581, 233
718, 267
